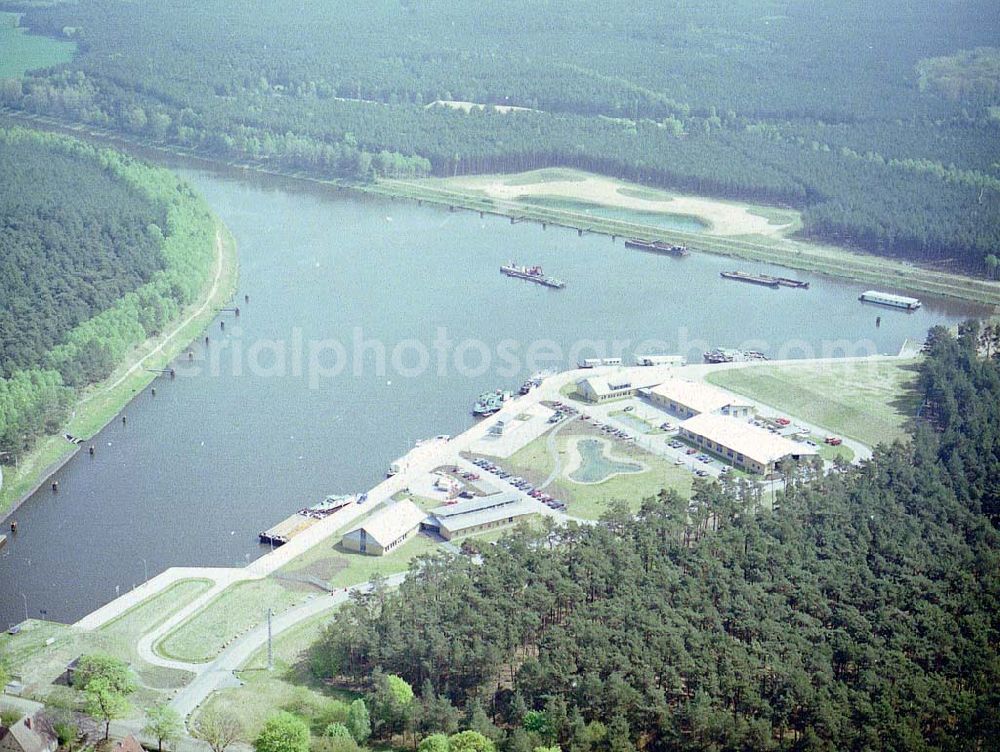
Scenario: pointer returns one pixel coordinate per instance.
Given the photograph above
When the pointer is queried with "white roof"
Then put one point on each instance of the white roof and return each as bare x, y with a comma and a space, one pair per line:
625, 378
392, 523
888, 296
699, 396
476, 504
746, 439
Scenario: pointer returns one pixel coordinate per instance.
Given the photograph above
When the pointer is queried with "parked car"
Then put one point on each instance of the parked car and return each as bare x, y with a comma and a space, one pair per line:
692, 450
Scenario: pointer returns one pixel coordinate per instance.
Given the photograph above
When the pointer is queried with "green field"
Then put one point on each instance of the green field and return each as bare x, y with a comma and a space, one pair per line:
591, 500
329, 562
868, 401
288, 686
23, 52
236, 610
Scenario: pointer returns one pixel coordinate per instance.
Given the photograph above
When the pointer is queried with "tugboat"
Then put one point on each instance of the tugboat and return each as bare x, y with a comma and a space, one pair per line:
489, 403
532, 274
657, 246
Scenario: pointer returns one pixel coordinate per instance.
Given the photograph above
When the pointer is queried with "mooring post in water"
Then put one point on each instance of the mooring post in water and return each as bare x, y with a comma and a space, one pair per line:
191, 354
222, 325
237, 311
123, 420
206, 339
878, 321
91, 450
173, 373
246, 298
55, 486
153, 391
579, 233
13, 526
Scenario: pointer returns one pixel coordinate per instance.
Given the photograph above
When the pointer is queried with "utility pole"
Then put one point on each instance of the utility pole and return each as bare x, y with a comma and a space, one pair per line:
270, 645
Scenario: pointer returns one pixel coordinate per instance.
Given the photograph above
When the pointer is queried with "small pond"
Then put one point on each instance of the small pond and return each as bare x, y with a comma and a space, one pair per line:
596, 466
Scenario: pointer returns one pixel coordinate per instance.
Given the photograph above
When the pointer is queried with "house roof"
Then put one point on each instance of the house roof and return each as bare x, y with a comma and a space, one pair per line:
392, 522
128, 744
742, 437
30, 735
700, 397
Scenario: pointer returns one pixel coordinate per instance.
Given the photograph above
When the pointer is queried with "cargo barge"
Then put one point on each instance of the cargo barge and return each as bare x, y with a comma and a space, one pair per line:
657, 246
890, 300
765, 280
754, 279
532, 274
284, 531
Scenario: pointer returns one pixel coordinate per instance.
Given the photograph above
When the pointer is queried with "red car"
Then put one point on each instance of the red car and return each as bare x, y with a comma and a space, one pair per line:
782, 421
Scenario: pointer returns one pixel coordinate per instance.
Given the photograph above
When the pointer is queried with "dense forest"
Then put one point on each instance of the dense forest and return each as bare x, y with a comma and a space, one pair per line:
860, 614
879, 122
74, 240
99, 253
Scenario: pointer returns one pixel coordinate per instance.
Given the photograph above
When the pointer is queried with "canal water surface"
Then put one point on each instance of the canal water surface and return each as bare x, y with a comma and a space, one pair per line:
250, 431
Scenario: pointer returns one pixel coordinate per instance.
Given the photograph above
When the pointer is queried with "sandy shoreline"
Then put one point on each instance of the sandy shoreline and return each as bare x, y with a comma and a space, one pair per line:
723, 218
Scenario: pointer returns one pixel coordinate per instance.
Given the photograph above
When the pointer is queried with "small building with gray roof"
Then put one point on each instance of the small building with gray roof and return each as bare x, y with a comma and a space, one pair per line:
480, 513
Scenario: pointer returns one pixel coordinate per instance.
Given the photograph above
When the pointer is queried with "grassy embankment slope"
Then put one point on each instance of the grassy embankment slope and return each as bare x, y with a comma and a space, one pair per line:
39, 665
871, 402
758, 233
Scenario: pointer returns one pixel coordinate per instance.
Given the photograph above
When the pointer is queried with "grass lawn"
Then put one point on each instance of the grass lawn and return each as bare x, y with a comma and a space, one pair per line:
23, 52
236, 610
590, 501
289, 686
330, 562
868, 401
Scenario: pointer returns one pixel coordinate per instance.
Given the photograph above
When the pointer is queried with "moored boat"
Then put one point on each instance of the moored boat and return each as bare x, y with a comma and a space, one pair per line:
763, 280
657, 246
532, 274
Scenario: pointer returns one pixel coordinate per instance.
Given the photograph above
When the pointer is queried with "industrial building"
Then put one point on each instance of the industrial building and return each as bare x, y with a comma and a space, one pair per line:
743, 444
386, 530
617, 385
478, 514
685, 399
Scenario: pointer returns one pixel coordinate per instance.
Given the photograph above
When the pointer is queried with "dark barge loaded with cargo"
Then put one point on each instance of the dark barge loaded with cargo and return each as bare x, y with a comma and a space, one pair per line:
657, 246
765, 280
532, 274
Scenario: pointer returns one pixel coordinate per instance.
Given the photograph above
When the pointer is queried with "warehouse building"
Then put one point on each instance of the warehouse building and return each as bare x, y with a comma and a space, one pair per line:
685, 399
617, 385
479, 514
742, 444
386, 530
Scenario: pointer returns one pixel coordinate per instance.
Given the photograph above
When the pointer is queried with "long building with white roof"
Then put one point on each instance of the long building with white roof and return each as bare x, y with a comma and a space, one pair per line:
689, 398
480, 513
743, 444
385, 530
